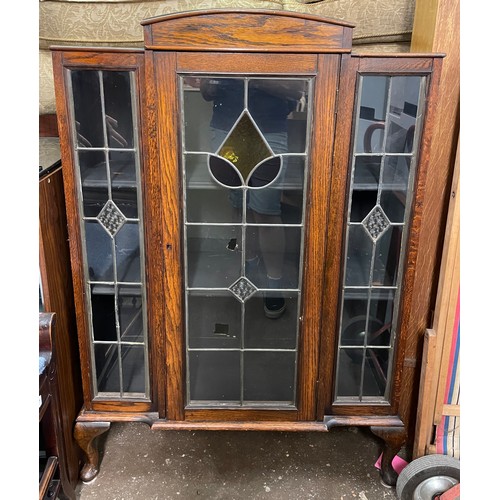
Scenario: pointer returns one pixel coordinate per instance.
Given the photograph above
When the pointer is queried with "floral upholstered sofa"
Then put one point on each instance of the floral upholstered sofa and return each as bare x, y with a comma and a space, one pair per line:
381, 25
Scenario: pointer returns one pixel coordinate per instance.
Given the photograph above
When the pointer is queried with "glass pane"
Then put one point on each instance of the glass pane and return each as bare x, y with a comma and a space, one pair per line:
372, 114
405, 93
387, 252
214, 320
375, 375
292, 194
214, 376
103, 313
94, 180
130, 314
214, 256
211, 107
87, 108
128, 264
362, 203
133, 367
395, 187
264, 332
118, 108
99, 252
272, 257
107, 367
206, 199
381, 312
350, 362
354, 312
359, 256
269, 376
270, 103
367, 172
124, 182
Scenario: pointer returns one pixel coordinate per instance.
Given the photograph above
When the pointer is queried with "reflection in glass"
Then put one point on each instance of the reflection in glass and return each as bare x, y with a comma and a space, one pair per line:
214, 320
245, 172
107, 368
118, 109
108, 169
99, 252
123, 182
133, 367
94, 181
128, 263
103, 314
87, 108
130, 314
387, 128
214, 375
269, 376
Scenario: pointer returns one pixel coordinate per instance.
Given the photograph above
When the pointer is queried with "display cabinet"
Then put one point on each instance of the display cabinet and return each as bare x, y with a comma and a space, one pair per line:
243, 198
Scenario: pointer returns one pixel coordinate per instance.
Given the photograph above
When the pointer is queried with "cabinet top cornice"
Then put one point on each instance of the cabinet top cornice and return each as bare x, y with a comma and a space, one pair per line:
247, 31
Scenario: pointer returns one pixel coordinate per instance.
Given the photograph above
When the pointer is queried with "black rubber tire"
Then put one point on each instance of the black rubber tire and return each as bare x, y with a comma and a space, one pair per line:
424, 469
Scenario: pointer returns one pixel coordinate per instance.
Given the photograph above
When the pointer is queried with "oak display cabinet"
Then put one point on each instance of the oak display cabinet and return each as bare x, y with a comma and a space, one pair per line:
243, 200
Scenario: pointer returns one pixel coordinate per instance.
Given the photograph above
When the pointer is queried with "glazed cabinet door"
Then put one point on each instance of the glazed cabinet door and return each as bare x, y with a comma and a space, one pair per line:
99, 121
244, 194
372, 262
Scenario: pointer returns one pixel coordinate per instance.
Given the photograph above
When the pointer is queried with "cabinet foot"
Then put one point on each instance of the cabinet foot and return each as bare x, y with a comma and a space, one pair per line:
85, 434
394, 438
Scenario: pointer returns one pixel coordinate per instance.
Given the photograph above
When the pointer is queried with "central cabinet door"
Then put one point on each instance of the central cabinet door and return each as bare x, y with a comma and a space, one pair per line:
245, 196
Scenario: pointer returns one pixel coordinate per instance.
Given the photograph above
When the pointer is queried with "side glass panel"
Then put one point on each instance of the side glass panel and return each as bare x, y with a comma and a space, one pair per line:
108, 172
245, 169
387, 129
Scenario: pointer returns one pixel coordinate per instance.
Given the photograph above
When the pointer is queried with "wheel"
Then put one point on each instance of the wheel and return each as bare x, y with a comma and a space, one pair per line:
427, 477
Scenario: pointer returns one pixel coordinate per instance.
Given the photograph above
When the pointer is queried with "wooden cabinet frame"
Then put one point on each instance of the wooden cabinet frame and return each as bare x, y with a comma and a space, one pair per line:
243, 43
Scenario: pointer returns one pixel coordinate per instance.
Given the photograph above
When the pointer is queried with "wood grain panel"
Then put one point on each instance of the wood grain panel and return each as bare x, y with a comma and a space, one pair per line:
296, 64
168, 177
335, 220
57, 290
315, 238
241, 426
153, 238
240, 414
248, 31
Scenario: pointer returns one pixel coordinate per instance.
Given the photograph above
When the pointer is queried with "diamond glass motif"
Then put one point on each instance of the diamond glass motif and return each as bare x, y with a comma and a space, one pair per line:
243, 289
376, 222
111, 218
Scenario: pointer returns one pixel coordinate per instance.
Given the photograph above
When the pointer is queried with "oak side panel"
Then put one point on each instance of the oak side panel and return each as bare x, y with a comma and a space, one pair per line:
436, 29
168, 176
321, 157
247, 31
57, 289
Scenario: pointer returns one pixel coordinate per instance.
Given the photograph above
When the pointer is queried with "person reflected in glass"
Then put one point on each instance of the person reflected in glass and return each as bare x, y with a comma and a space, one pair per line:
270, 103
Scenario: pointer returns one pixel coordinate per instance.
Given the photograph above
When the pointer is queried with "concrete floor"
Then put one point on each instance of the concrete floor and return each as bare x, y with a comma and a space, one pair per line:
140, 464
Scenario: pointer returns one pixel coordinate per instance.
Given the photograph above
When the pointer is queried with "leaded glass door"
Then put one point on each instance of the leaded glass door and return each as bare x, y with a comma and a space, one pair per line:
245, 169
247, 333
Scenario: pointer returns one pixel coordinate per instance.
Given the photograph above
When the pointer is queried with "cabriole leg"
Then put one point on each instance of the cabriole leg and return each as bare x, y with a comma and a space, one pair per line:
394, 438
85, 434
